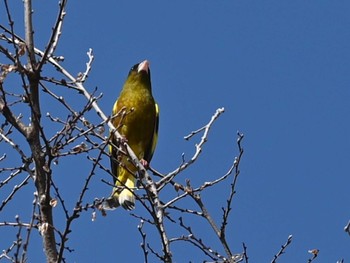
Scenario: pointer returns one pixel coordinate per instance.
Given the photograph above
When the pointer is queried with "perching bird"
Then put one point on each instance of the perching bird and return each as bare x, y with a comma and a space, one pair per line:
135, 115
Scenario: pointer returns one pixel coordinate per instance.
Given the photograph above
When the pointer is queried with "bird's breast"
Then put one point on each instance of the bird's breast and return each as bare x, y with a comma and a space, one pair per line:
137, 126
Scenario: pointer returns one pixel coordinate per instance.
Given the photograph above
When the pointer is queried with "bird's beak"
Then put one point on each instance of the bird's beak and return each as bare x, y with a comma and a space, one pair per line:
143, 66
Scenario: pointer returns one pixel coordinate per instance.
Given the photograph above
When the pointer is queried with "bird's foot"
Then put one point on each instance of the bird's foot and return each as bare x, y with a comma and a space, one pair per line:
144, 163
122, 140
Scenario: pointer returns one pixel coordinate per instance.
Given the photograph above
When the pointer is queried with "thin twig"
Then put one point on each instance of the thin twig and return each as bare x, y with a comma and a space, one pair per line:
164, 181
245, 254
314, 253
228, 208
15, 189
282, 250
56, 33
347, 228
143, 243
30, 228
212, 223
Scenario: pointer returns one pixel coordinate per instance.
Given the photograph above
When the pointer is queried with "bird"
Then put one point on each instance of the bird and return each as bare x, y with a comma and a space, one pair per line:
135, 115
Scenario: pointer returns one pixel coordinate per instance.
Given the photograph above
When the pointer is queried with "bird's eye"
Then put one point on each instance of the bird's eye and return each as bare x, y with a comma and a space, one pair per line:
133, 68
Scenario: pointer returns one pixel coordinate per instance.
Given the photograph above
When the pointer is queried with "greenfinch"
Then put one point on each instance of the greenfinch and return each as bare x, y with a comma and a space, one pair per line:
135, 115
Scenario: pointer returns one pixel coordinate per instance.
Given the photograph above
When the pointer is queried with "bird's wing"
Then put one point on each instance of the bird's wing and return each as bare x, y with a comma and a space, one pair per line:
113, 159
112, 151
153, 142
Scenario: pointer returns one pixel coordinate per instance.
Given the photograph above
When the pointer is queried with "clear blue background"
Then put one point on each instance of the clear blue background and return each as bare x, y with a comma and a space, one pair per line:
281, 71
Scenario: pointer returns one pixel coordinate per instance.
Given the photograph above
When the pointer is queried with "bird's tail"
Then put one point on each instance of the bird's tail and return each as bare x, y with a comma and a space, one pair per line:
124, 197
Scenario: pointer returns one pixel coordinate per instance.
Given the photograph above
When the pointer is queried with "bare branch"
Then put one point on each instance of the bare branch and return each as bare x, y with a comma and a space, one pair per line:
143, 243
227, 209
212, 223
28, 24
15, 189
83, 76
30, 228
282, 250
214, 255
56, 33
10, 117
25, 159
161, 183
245, 254
158, 210
314, 253
347, 228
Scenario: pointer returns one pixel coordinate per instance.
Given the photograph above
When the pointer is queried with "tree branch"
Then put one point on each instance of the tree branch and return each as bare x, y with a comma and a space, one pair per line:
28, 29
282, 250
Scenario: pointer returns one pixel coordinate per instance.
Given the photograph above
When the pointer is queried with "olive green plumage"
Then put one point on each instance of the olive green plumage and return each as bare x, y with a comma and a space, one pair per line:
139, 126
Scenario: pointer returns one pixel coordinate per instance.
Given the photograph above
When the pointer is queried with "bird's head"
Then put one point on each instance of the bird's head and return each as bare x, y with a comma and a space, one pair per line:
140, 74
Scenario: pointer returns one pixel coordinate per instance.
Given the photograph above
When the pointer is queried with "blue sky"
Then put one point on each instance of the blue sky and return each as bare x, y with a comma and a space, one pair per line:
281, 71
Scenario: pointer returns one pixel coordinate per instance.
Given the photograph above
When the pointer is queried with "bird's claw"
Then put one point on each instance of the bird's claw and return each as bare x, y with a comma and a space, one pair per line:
144, 163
